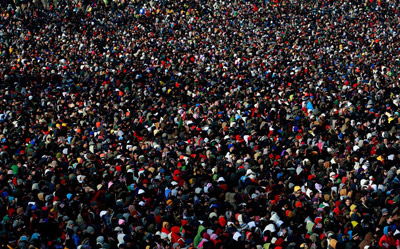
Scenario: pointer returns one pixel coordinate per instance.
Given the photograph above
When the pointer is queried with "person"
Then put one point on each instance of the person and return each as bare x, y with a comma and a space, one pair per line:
387, 240
244, 124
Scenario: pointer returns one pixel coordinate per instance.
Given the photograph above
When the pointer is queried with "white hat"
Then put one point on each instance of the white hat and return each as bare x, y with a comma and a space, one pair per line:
240, 218
250, 172
364, 182
270, 228
279, 223
299, 170
102, 213
274, 217
212, 215
236, 236
164, 235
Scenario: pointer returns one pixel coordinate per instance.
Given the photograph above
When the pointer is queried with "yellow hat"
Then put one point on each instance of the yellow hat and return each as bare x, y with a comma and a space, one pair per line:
333, 243
169, 202
352, 207
297, 188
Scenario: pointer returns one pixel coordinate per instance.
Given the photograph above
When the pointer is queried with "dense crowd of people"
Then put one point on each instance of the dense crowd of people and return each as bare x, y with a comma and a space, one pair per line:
199, 124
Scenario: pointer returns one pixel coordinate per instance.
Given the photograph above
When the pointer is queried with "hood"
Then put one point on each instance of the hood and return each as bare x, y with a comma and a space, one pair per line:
165, 224
368, 237
386, 230
200, 229
175, 229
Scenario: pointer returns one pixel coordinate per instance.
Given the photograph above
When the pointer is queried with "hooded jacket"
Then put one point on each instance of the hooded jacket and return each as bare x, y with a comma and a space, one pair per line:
175, 236
386, 240
367, 240
198, 237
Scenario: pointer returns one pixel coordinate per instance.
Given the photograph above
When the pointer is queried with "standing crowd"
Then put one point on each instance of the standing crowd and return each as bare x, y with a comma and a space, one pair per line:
199, 124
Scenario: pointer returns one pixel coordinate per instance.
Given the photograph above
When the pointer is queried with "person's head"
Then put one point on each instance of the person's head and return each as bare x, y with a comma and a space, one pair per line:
348, 202
363, 198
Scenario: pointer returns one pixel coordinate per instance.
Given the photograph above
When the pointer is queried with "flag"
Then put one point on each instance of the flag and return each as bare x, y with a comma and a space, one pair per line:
180, 123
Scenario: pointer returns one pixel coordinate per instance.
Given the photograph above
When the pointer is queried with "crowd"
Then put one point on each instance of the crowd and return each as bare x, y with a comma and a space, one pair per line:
199, 124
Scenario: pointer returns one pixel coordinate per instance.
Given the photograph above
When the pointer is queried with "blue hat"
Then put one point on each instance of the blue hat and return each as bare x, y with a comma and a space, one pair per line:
23, 238
188, 241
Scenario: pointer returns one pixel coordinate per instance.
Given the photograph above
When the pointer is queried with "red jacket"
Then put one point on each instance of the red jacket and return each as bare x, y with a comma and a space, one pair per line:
386, 241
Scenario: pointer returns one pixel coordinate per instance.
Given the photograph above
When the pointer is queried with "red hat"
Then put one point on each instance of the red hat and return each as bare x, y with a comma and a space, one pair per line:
237, 216
222, 221
11, 211
248, 235
184, 222
224, 187
279, 242
219, 231
299, 204
158, 219
336, 211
